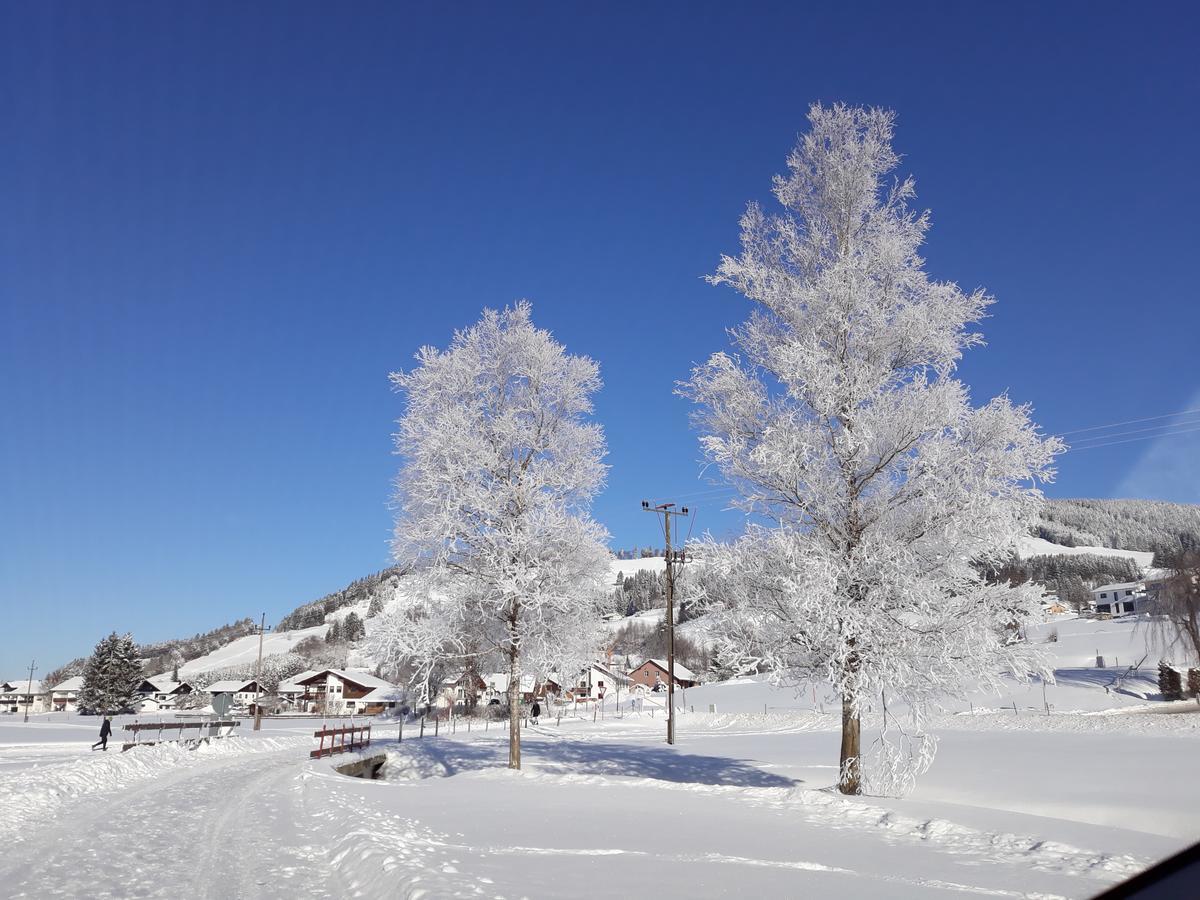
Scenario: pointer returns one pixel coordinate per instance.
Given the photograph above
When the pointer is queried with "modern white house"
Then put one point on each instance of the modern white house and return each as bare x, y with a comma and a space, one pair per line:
22, 695
64, 697
1118, 599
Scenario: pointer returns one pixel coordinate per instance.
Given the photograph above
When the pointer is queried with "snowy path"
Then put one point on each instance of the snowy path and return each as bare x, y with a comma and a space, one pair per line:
218, 829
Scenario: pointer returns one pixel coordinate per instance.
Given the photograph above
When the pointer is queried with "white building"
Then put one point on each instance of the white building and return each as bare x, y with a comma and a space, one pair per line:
22, 695
599, 682
64, 697
292, 691
161, 692
341, 692
240, 693
1118, 599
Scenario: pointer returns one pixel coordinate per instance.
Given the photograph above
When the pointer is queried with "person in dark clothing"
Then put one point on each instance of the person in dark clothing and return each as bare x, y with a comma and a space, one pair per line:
535, 712
105, 731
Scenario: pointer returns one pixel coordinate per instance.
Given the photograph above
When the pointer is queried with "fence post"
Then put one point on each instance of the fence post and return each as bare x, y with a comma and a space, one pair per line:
400, 736
436, 722
422, 726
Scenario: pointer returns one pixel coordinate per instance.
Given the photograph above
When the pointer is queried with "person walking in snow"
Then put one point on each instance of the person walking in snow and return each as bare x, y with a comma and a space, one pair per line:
535, 712
105, 731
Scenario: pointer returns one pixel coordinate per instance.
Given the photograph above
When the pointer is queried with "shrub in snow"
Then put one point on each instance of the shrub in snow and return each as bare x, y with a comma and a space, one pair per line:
839, 422
1193, 682
500, 467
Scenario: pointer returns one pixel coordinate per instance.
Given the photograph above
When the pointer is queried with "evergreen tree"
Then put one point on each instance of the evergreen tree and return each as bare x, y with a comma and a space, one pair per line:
334, 634
111, 676
353, 628
376, 605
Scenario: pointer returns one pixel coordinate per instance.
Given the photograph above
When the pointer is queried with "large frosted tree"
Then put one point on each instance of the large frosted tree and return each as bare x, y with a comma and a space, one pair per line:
501, 463
879, 490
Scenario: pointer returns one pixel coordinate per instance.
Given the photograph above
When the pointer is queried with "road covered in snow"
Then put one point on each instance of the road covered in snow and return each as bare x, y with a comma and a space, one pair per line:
1015, 806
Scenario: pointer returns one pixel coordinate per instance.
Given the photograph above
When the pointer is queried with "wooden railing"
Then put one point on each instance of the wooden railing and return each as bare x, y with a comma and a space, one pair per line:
205, 730
360, 736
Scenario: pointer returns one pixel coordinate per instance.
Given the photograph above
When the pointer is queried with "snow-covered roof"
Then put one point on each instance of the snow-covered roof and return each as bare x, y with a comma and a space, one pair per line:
681, 671
165, 685
22, 686
364, 679
71, 684
1123, 586
230, 687
293, 685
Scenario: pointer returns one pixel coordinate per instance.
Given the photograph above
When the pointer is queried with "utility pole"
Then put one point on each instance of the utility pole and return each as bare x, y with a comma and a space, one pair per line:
673, 558
29, 689
262, 629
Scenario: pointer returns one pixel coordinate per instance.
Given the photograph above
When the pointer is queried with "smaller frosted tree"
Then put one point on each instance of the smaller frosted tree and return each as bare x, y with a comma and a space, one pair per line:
500, 467
111, 676
840, 422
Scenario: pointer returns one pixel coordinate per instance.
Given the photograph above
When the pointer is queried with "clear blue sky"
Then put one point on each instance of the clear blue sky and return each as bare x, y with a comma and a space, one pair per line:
222, 225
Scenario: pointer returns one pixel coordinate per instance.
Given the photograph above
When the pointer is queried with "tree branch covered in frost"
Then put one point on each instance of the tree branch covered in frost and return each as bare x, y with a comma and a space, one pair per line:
500, 467
838, 419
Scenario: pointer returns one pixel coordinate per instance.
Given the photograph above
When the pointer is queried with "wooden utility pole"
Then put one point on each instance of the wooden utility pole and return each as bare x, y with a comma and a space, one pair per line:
262, 629
29, 689
673, 558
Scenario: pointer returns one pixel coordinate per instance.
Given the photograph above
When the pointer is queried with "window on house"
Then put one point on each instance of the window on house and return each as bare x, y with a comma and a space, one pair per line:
1104, 596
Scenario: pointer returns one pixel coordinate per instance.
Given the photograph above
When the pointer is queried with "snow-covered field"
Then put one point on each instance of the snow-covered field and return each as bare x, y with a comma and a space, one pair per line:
1052, 790
1017, 804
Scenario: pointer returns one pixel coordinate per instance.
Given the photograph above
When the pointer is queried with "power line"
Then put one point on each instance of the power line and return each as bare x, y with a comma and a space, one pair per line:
1116, 434
1145, 437
1182, 412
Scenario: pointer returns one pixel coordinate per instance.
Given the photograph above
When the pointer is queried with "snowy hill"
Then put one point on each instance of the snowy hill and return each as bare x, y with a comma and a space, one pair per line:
1028, 546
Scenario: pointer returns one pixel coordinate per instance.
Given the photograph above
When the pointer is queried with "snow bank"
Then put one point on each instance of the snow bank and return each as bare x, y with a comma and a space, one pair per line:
415, 762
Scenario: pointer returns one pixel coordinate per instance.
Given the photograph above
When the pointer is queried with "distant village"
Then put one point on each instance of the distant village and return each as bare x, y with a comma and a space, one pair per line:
344, 692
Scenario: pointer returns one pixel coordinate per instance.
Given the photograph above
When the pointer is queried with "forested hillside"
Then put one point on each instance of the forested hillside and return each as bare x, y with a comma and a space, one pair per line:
1154, 525
373, 589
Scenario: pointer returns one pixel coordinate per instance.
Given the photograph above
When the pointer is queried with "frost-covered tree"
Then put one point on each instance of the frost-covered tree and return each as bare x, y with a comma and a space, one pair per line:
839, 422
500, 467
111, 676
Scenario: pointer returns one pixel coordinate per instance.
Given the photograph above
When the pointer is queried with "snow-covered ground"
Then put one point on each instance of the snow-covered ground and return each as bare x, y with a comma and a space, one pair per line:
1017, 804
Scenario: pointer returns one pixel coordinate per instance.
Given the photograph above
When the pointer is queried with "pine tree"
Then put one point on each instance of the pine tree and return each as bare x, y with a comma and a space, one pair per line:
111, 676
334, 634
353, 628
376, 606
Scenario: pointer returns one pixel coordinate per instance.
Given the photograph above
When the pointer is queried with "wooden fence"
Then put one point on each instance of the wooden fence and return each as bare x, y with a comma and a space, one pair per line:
205, 731
360, 736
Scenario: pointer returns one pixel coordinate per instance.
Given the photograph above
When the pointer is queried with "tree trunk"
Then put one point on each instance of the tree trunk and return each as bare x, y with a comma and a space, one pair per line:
514, 707
850, 768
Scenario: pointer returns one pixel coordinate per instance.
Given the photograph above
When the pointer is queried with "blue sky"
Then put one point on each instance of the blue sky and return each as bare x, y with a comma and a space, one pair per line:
222, 225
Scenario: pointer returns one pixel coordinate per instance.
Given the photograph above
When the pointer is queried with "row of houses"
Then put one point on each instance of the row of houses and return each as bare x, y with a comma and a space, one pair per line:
21, 695
596, 682
340, 691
